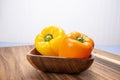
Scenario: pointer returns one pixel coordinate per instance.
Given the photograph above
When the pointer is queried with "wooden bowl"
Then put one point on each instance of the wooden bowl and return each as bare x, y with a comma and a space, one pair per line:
58, 64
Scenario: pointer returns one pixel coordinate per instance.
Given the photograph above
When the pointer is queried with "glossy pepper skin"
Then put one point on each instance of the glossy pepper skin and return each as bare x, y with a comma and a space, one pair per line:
76, 45
47, 42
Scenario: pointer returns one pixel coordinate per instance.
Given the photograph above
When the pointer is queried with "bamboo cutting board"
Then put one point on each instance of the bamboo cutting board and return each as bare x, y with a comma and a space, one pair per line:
14, 66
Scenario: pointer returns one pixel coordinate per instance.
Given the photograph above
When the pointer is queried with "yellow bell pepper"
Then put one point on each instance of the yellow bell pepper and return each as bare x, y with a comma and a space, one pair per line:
48, 41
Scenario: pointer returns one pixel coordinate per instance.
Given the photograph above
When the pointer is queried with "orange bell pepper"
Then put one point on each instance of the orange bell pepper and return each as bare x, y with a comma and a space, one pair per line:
76, 45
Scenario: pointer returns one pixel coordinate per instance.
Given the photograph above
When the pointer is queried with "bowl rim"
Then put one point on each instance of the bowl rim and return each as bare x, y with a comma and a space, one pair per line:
57, 57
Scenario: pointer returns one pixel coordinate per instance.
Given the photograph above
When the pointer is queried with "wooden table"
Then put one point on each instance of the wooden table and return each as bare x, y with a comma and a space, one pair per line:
14, 66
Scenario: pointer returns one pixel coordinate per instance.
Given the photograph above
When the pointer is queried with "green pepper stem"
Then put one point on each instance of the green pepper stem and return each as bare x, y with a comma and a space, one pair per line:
48, 37
81, 39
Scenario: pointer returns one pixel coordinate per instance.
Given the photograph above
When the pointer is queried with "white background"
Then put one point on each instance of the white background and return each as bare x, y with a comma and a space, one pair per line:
21, 20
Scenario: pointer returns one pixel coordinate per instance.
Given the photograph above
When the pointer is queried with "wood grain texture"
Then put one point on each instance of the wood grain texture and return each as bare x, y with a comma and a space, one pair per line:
14, 66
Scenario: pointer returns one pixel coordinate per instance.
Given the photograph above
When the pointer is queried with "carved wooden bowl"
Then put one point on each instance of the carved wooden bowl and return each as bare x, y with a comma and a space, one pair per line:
58, 64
